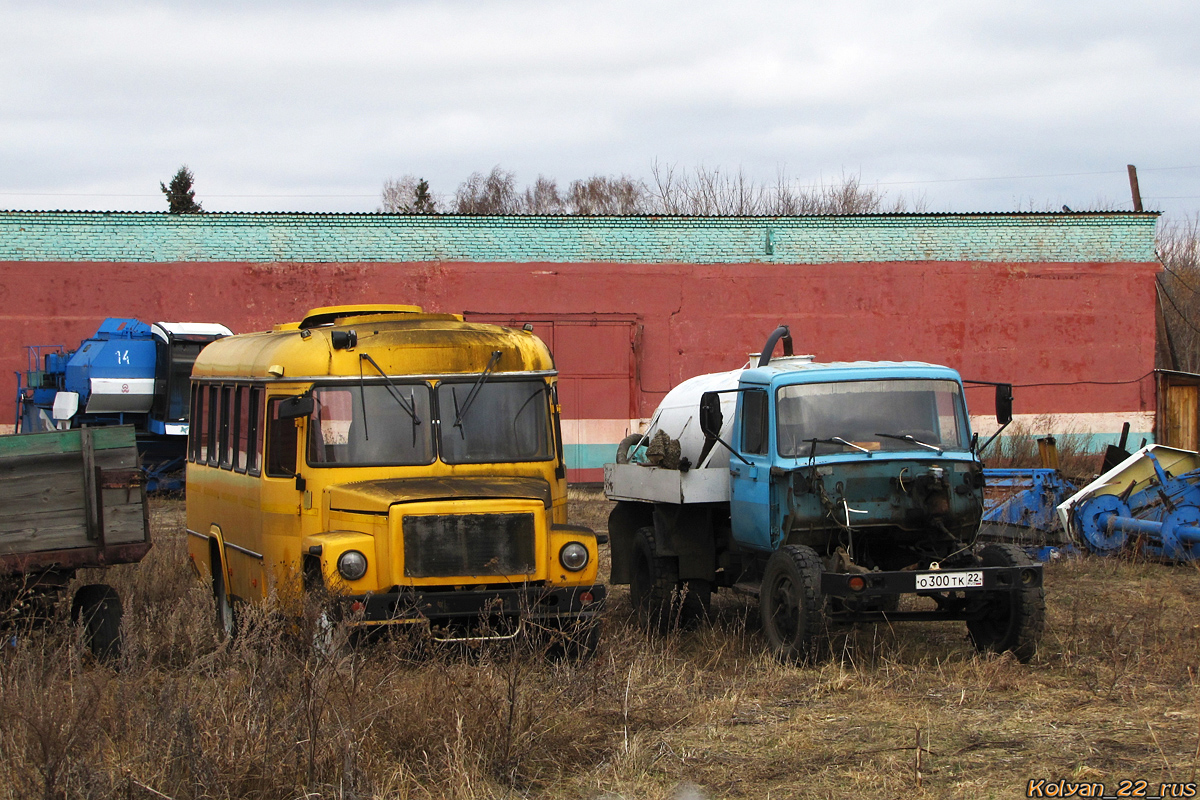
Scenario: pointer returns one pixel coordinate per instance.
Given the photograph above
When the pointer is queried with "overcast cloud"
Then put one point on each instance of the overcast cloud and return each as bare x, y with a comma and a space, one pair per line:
317, 103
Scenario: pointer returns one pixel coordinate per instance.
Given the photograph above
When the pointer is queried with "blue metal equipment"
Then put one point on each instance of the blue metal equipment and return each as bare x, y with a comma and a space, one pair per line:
1157, 516
128, 372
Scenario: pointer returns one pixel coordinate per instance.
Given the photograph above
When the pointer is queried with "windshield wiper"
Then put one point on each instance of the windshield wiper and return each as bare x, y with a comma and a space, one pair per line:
841, 441
410, 407
912, 440
462, 412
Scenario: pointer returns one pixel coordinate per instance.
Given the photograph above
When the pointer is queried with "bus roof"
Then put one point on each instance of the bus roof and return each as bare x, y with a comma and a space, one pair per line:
402, 340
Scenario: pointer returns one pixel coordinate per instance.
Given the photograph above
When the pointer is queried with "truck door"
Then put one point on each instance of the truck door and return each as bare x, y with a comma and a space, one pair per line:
754, 517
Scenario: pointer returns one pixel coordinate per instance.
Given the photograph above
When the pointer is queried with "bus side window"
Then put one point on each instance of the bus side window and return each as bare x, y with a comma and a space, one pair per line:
200, 423
239, 428
228, 420
281, 442
213, 421
254, 435
194, 428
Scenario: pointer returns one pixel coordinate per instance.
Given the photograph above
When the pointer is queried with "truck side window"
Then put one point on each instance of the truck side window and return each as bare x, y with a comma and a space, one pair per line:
754, 421
281, 442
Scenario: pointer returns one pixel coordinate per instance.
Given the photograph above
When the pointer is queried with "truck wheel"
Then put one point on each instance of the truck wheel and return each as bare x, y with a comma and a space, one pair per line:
97, 607
1013, 621
652, 584
791, 605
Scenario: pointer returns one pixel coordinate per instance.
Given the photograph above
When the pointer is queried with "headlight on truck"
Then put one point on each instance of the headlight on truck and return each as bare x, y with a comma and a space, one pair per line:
573, 556
352, 565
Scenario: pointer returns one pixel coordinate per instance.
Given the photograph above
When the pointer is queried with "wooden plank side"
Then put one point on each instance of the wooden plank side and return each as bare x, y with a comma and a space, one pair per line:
31, 444
117, 458
124, 516
1183, 406
51, 530
114, 437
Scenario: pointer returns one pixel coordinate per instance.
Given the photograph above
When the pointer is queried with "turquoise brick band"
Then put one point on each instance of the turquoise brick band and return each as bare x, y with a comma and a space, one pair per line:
325, 238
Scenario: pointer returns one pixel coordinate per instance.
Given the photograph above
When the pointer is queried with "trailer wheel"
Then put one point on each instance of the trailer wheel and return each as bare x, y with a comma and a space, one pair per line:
791, 605
97, 607
1013, 621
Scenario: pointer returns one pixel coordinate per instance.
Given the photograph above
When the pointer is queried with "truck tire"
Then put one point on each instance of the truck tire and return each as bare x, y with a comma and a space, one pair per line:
791, 605
97, 607
1013, 621
653, 584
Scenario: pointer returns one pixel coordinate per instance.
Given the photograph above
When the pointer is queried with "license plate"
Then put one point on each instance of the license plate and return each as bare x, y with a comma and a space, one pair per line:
949, 580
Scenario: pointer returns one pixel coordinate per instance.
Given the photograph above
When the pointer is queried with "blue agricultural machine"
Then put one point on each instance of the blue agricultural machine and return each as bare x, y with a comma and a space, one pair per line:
128, 372
1145, 503
1148, 505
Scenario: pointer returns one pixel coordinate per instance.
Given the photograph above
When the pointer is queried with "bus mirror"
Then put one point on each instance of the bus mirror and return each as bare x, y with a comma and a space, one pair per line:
1004, 401
711, 418
298, 406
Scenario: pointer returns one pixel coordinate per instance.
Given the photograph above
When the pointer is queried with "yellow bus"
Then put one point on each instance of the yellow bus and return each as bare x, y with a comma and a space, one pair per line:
410, 463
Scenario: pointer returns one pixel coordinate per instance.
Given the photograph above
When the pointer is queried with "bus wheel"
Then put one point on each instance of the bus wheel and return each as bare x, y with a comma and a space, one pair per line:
226, 615
97, 607
790, 603
573, 640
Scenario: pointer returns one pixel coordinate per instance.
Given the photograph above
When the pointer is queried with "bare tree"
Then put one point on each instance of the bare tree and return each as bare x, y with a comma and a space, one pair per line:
601, 194
701, 191
1179, 292
494, 193
542, 198
407, 195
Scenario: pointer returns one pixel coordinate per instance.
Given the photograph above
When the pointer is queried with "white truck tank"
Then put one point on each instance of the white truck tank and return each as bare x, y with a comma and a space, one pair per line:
678, 413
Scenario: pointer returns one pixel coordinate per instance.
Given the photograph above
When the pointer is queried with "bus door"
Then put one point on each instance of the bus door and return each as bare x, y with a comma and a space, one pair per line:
284, 495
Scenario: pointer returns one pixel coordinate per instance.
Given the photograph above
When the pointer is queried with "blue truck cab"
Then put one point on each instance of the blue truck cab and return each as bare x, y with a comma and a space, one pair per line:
830, 491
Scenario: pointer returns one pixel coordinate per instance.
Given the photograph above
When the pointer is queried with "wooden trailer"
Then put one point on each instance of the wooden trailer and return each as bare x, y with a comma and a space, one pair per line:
70, 500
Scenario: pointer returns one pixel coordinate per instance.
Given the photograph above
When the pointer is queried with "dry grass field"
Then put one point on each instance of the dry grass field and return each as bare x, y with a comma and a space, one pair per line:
909, 711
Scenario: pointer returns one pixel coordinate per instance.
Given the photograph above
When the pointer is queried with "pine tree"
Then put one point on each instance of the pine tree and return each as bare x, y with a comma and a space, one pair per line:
181, 198
423, 202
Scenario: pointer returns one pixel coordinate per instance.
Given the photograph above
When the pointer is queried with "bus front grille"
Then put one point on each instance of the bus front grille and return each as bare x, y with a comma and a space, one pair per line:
450, 545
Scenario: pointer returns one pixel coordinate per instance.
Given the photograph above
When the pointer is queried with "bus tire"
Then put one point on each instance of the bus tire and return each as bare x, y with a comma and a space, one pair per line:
97, 608
1013, 621
791, 605
225, 615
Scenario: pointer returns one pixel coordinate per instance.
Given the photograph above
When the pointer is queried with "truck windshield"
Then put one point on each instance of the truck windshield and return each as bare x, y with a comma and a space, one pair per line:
341, 434
506, 421
861, 412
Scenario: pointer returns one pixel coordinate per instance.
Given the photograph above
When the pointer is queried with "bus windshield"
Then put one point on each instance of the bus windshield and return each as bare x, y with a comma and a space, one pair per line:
370, 425
505, 421
870, 415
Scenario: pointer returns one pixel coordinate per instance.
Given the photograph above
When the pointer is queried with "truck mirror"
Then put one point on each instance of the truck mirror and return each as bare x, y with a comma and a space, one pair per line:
1004, 400
298, 406
711, 418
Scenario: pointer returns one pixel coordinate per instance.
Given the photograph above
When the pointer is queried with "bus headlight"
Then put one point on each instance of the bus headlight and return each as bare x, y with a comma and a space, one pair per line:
573, 556
352, 565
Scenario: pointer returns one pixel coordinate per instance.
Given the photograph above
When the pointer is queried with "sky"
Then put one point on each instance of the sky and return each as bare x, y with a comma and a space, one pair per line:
310, 106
